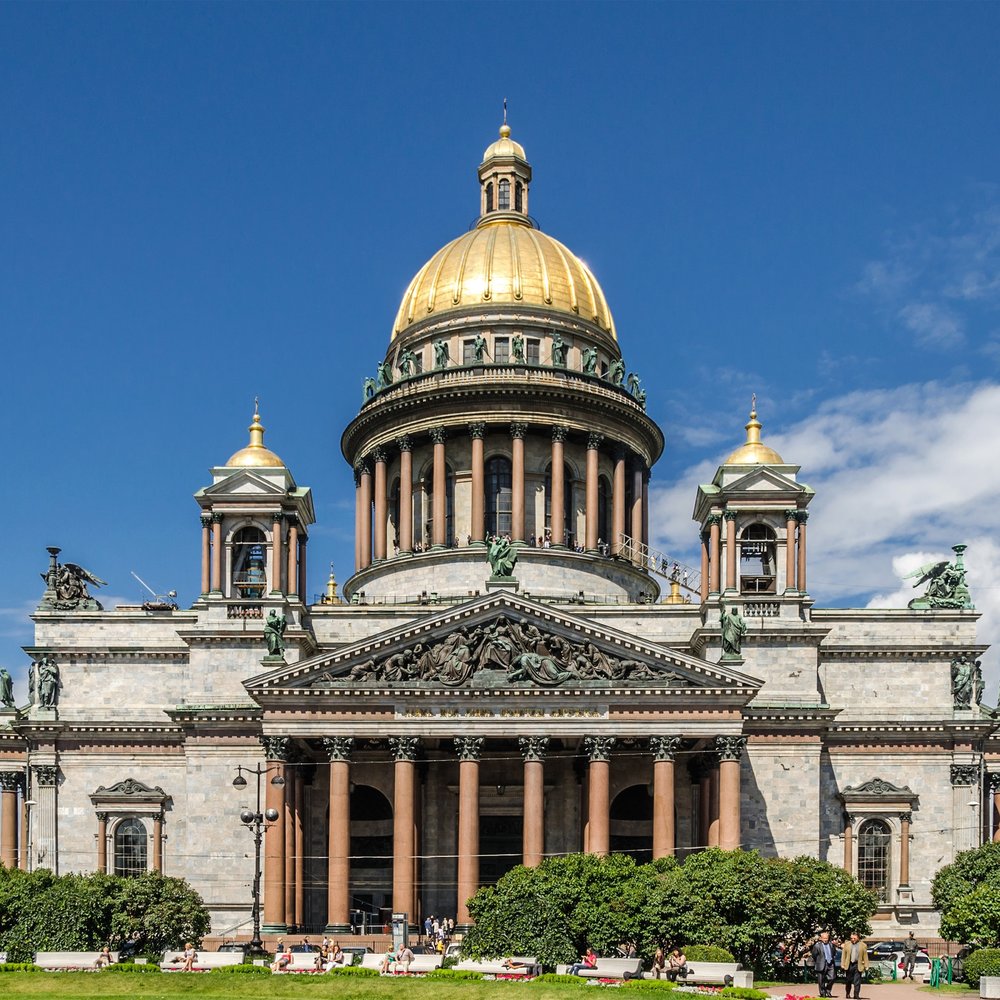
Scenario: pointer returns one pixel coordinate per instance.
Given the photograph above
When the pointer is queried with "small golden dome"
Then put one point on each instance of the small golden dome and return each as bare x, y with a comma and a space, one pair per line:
753, 451
255, 455
504, 146
504, 261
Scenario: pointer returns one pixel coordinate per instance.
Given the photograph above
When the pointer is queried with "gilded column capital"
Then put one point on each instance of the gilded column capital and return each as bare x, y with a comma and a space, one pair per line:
964, 774
404, 442
477, 430
518, 430
534, 747
559, 434
730, 747
404, 747
594, 441
276, 747
46, 775
664, 747
11, 781
438, 435
338, 747
598, 747
379, 455
468, 747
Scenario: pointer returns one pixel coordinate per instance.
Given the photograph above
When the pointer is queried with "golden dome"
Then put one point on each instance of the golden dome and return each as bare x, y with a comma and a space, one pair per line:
504, 146
753, 451
255, 455
504, 261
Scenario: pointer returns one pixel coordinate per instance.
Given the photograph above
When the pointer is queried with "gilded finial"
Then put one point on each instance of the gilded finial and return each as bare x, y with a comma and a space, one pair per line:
505, 111
256, 427
753, 406
753, 426
331, 589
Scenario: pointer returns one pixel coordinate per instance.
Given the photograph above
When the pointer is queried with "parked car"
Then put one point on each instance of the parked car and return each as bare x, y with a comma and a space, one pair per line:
882, 950
453, 950
239, 946
357, 949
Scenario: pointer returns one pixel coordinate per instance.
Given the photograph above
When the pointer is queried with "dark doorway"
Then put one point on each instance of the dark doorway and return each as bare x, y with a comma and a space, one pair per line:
632, 823
500, 846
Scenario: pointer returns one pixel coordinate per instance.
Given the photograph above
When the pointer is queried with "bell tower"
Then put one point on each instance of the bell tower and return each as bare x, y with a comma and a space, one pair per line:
504, 176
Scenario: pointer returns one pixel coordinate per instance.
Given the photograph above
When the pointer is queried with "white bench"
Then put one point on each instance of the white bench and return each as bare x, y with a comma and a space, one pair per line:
205, 962
608, 968
495, 967
421, 964
305, 961
66, 961
722, 973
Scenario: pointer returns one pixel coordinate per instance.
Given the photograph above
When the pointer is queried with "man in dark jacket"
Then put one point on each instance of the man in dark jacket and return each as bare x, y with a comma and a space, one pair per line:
854, 962
826, 971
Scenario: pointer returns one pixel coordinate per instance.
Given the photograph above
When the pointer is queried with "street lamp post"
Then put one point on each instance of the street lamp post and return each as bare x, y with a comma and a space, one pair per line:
256, 822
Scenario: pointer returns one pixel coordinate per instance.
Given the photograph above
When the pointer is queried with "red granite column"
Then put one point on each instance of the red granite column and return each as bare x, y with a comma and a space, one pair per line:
102, 842
365, 533
517, 433
404, 749
730, 517
439, 502
477, 432
803, 516
275, 751
713, 805
10, 781
381, 504
635, 526
618, 501
645, 507
303, 575
299, 852
533, 750
848, 844
904, 848
704, 800
277, 550
217, 554
158, 842
704, 566
730, 749
790, 523
714, 520
338, 900
664, 750
557, 498
291, 779
357, 516
206, 554
593, 492
598, 750
468, 749
995, 789
292, 574
405, 526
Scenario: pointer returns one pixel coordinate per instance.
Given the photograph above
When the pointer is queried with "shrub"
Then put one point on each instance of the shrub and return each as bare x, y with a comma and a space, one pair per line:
241, 970
353, 970
984, 962
454, 974
744, 993
707, 953
20, 967
129, 967
651, 984
554, 977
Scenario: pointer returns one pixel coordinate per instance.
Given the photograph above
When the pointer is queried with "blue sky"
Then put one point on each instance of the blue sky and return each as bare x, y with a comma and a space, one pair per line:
203, 202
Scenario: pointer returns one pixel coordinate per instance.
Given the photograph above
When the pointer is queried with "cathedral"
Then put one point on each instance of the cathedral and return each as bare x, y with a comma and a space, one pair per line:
512, 672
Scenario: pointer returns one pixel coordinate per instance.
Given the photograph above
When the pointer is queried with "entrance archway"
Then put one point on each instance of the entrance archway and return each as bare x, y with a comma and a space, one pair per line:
371, 856
632, 823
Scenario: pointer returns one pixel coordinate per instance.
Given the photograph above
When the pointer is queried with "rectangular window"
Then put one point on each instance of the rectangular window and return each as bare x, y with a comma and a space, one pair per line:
532, 352
418, 362
468, 352
501, 350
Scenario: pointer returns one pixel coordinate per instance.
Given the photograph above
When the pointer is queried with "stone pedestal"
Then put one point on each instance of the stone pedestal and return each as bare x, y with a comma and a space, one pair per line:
502, 583
989, 987
37, 712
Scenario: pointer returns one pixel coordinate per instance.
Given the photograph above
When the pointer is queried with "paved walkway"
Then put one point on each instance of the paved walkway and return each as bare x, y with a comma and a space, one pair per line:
899, 990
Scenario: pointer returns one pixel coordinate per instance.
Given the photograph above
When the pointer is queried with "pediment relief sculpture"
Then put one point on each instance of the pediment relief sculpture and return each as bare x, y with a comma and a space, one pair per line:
505, 651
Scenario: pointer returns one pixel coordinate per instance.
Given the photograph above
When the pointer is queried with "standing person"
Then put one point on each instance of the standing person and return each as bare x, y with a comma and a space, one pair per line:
909, 955
826, 971
428, 924
404, 959
854, 962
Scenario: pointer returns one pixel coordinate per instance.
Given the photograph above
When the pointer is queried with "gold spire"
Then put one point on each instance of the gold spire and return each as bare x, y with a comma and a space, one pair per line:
330, 597
255, 455
753, 451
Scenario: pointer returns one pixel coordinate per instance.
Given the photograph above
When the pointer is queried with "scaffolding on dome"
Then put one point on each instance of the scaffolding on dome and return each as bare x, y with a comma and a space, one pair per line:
660, 564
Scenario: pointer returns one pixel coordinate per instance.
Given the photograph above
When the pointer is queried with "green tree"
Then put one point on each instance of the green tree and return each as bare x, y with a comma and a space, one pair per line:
967, 892
156, 912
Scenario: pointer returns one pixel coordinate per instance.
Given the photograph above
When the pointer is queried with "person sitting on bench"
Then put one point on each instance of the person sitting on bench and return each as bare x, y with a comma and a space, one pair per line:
677, 965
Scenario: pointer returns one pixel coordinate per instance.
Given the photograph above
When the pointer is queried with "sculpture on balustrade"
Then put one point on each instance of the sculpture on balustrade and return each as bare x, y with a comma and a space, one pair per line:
6, 688
559, 351
513, 651
274, 633
43, 682
590, 361
441, 356
946, 585
407, 361
733, 629
638, 393
517, 349
383, 375
66, 587
966, 681
502, 556
616, 373
479, 348
368, 389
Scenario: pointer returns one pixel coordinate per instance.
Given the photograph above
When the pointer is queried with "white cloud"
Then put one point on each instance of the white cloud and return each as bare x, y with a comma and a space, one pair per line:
934, 325
900, 476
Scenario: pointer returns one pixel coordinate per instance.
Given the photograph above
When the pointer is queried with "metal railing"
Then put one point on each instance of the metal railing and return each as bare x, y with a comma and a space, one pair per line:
659, 563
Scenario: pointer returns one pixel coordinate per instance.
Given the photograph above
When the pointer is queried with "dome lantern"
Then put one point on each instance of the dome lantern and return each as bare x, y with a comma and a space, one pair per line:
504, 176
753, 451
255, 455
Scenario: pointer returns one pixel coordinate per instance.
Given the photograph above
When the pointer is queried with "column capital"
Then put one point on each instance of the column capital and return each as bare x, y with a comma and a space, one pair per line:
664, 747
276, 747
704, 534
730, 747
438, 435
518, 430
713, 519
217, 518
10, 781
534, 747
964, 774
468, 747
619, 451
994, 779
906, 818
379, 455
404, 442
849, 820
206, 520
791, 515
102, 817
404, 747
477, 430
46, 775
338, 747
363, 467
559, 434
729, 515
802, 516
594, 440
598, 747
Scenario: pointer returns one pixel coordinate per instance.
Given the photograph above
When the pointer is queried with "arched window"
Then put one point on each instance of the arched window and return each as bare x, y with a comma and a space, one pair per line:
503, 201
603, 526
249, 562
130, 848
568, 532
874, 854
489, 197
757, 560
498, 496
449, 490
518, 197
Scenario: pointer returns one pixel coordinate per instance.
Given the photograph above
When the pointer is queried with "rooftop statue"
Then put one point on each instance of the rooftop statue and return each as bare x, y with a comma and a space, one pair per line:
66, 587
590, 361
479, 348
559, 351
43, 682
946, 586
406, 362
274, 633
517, 349
638, 393
383, 375
367, 389
616, 373
6, 688
966, 681
441, 357
502, 556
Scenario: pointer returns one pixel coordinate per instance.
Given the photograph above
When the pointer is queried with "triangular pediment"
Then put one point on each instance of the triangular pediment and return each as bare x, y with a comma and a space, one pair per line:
502, 641
763, 479
244, 483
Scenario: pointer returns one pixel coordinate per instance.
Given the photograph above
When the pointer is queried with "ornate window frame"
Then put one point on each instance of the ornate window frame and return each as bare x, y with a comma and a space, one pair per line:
130, 799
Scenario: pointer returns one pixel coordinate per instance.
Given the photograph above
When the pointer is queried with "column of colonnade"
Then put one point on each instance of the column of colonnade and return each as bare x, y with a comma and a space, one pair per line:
371, 541
10, 783
720, 799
